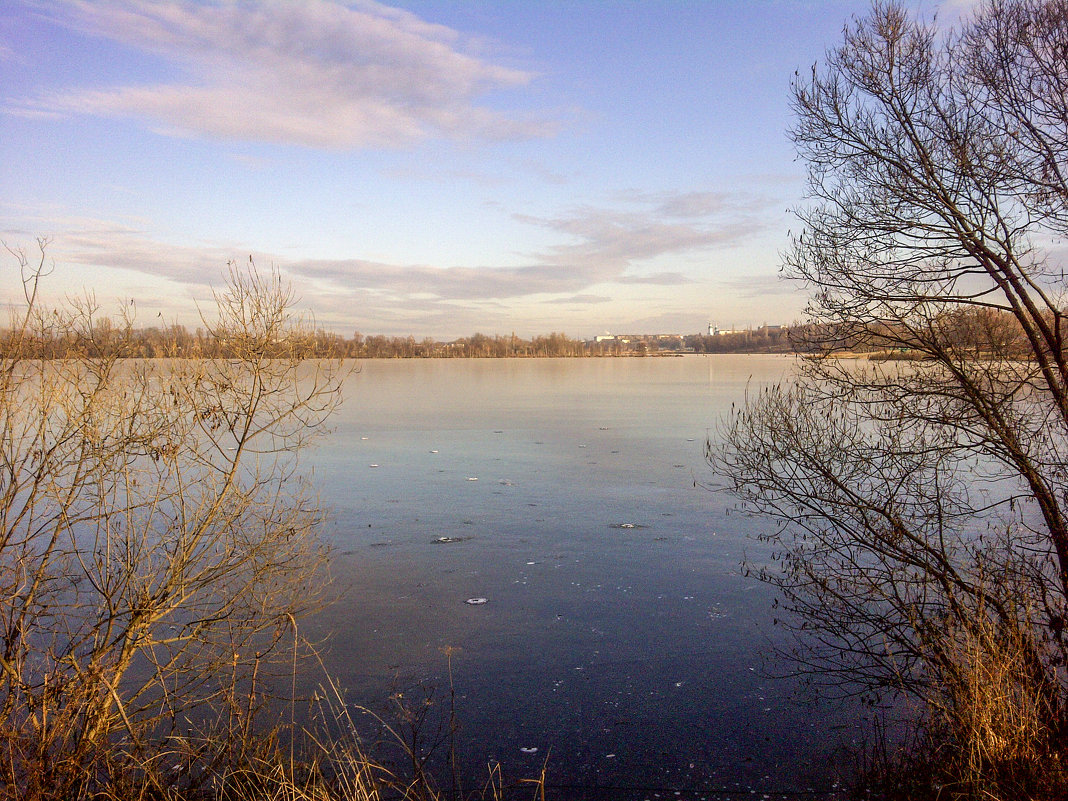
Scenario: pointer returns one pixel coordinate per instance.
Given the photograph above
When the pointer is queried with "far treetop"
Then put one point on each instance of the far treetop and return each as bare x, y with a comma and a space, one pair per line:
177, 341
109, 337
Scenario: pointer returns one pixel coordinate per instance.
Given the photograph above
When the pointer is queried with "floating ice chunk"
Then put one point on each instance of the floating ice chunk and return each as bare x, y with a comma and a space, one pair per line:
372, 465
476, 601
472, 478
434, 451
444, 540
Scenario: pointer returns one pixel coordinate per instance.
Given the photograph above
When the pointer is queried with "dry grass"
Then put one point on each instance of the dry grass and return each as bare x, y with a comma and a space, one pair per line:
998, 720
989, 732
236, 756
317, 762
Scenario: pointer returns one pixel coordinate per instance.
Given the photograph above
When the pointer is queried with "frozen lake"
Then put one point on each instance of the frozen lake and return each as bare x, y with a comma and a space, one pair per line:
618, 637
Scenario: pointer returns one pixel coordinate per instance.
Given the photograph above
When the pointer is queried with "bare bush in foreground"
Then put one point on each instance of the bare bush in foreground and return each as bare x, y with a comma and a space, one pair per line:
156, 543
923, 509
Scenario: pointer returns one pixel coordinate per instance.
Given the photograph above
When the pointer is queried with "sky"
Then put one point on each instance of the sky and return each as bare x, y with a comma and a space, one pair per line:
425, 167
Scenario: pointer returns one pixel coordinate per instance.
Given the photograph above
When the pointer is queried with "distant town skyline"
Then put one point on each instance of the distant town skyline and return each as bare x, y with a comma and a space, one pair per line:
426, 167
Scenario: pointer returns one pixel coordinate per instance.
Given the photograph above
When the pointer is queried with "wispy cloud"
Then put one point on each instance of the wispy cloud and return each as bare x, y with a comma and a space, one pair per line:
693, 204
586, 300
105, 244
705, 203
607, 246
601, 248
611, 243
655, 279
442, 283
545, 173
315, 73
761, 286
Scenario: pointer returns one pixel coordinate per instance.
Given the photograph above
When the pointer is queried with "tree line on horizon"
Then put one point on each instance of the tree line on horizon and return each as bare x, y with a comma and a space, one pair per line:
125, 338
981, 330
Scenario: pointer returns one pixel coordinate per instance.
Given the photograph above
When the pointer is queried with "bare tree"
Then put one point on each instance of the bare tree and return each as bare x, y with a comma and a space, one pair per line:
922, 502
156, 542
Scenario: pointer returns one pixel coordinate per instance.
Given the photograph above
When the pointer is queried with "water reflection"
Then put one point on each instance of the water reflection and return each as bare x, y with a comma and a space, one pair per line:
613, 630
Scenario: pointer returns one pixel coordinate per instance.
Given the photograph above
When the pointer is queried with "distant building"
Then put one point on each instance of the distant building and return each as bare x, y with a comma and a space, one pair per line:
715, 331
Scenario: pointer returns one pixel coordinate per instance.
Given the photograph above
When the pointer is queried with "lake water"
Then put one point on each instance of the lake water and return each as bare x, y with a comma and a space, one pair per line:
619, 637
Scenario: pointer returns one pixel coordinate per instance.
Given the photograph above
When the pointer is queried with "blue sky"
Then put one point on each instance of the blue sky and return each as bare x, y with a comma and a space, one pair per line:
425, 167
